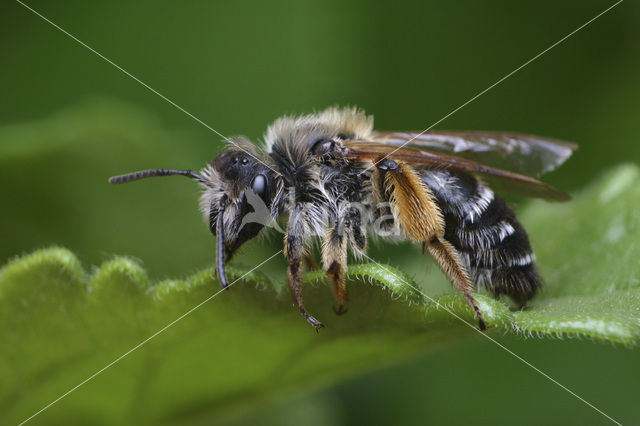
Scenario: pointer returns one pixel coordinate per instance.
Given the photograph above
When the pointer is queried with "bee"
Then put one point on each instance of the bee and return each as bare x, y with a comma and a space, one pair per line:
336, 180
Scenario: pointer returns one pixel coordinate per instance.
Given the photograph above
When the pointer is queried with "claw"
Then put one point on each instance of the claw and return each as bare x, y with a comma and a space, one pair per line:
481, 325
315, 323
340, 309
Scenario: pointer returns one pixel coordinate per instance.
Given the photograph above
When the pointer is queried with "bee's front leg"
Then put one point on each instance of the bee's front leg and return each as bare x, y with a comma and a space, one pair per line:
294, 277
295, 251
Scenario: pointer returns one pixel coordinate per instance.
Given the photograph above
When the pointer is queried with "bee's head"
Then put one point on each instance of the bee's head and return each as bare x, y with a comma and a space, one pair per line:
237, 199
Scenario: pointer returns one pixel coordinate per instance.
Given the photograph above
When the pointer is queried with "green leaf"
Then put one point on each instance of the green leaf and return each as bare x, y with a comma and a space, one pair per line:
60, 324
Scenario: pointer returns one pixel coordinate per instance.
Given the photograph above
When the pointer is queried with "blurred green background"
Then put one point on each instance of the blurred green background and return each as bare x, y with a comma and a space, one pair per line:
69, 120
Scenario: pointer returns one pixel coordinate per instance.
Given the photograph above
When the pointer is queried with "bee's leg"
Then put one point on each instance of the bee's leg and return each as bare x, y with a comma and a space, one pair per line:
416, 209
381, 195
448, 259
295, 251
310, 261
357, 234
294, 277
334, 259
419, 215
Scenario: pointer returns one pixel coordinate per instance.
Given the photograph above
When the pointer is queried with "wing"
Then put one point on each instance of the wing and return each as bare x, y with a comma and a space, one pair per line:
500, 179
526, 154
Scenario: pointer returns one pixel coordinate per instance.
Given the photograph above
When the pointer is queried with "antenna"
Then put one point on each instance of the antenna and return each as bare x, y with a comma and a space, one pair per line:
143, 174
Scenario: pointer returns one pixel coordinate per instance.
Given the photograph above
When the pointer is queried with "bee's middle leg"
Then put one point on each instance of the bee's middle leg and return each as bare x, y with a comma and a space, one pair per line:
310, 261
334, 259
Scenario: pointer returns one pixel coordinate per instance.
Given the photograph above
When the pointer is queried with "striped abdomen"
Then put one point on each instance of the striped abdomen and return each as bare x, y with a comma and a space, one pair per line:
492, 243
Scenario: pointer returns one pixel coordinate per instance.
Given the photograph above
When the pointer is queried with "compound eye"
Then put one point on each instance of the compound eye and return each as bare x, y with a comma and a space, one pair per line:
323, 146
259, 186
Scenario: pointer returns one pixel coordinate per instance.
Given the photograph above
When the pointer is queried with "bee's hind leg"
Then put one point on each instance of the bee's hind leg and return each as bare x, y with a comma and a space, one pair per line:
449, 261
421, 217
